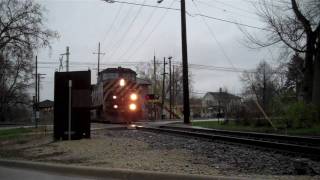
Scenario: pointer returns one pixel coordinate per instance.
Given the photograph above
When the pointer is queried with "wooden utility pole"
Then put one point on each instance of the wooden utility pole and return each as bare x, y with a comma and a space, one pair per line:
173, 87
36, 96
99, 53
170, 87
67, 61
186, 103
264, 104
219, 104
154, 85
163, 87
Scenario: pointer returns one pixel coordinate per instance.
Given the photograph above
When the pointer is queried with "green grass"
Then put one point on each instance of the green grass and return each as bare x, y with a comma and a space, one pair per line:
14, 133
314, 131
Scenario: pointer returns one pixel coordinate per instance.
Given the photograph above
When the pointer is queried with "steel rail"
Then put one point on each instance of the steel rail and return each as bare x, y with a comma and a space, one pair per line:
265, 136
309, 151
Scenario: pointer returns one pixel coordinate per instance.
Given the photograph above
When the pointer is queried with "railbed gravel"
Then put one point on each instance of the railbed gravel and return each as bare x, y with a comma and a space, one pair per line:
141, 150
227, 158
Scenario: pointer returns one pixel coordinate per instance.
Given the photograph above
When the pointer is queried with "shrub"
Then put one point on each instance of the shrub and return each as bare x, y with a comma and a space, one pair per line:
301, 115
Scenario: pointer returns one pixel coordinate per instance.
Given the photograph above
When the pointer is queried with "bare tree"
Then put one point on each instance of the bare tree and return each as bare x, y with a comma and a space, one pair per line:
294, 75
296, 26
21, 33
263, 84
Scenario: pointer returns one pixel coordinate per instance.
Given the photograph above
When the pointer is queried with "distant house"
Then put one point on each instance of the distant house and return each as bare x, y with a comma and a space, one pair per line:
46, 105
216, 104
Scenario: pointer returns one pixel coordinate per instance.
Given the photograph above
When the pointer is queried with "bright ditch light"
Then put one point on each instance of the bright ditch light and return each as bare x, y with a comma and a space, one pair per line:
132, 107
133, 96
115, 106
114, 97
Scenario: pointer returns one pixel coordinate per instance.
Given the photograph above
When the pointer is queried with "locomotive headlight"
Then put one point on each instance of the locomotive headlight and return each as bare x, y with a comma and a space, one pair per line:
132, 107
133, 97
115, 106
122, 82
114, 97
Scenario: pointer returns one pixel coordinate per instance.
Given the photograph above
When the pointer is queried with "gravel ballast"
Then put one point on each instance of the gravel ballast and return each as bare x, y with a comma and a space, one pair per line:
134, 149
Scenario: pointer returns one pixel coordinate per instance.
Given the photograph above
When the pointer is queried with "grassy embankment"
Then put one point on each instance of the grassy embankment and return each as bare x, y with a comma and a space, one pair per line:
15, 133
314, 131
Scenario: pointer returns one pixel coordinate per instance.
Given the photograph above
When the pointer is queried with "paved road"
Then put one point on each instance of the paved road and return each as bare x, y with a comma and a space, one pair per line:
18, 174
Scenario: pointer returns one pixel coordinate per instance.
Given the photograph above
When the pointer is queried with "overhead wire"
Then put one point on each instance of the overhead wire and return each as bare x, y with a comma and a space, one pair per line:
225, 10
194, 15
215, 38
138, 34
128, 63
126, 31
151, 32
113, 39
229, 5
113, 22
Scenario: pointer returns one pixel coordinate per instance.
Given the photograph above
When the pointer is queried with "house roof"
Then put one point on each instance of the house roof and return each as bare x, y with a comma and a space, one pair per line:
223, 95
46, 104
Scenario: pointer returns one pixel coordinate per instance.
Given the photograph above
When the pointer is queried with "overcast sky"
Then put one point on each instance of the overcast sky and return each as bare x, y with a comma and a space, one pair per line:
130, 33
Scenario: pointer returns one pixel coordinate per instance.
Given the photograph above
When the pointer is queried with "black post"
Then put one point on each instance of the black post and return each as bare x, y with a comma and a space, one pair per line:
170, 88
264, 104
163, 87
155, 85
173, 88
186, 105
98, 58
36, 96
219, 104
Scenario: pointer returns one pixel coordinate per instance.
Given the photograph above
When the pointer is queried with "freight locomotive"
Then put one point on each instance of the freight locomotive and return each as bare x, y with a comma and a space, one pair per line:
118, 96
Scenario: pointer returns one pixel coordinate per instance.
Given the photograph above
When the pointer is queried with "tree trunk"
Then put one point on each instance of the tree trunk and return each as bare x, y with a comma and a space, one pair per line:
308, 69
316, 78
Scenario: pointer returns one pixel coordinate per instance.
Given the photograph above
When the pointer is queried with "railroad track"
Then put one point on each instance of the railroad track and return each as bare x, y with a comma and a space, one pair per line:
299, 140
294, 144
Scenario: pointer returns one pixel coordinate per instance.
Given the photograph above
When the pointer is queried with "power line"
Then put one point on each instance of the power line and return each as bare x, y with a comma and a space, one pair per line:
228, 11
137, 36
145, 5
120, 25
113, 22
176, 63
232, 22
229, 5
126, 32
151, 32
192, 15
214, 37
